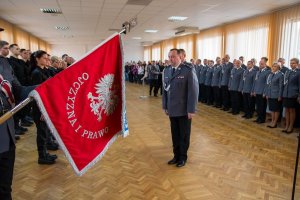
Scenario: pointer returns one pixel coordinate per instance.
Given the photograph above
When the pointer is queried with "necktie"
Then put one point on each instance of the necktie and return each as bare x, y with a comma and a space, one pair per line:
173, 71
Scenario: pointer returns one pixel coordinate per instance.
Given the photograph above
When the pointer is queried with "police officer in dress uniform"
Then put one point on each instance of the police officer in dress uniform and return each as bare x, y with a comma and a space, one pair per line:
246, 88
215, 83
291, 94
259, 86
225, 76
207, 83
202, 76
179, 102
236, 76
198, 69
273, 93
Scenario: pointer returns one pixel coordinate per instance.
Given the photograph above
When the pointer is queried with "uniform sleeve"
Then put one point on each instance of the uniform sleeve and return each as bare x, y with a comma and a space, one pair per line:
165, 94
193, 91
281, 85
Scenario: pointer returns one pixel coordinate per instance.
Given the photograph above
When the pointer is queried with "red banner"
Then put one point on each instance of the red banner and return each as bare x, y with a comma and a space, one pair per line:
84, 105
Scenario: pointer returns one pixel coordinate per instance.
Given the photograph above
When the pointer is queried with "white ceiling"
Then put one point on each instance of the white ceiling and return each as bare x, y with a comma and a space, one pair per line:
89, 20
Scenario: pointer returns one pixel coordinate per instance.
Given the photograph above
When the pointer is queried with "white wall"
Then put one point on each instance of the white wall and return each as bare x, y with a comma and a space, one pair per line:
131, 52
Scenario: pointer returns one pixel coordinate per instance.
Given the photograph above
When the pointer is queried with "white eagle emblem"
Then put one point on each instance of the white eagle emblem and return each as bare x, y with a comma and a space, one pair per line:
107, 99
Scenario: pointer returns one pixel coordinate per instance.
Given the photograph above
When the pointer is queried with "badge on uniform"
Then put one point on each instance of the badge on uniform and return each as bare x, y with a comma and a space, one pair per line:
180, 77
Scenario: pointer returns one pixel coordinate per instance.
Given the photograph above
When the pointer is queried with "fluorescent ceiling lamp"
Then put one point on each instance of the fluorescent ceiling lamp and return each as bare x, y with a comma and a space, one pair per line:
63, 28
177, 18
151, 31
136, 38
51, 10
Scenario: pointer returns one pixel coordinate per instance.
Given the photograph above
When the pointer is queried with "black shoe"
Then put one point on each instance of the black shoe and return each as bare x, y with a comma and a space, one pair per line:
29, 119
22, 128
26, 123
244, 116
235, 113
225, 109
172, 162
19, 132
46, 160
17, 137
52, 156
180, 163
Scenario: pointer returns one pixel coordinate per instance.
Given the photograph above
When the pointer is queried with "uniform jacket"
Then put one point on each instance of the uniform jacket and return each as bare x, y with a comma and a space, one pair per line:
216, 76
208, 76
180, 95
291, 84
236, 76
247, 81
260, 82
274, 87
225, 75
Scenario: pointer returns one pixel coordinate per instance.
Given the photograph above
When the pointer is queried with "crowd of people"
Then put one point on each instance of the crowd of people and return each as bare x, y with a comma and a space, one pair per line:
236, 86
20, 72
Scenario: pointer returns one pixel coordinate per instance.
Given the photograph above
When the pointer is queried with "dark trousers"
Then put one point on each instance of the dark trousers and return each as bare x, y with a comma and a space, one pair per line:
225, 97
236, 98
153, 85
202, 93
217, 96
209, 95
181, 131
249, 104
199, 94
7, 160
41, 137
261, 106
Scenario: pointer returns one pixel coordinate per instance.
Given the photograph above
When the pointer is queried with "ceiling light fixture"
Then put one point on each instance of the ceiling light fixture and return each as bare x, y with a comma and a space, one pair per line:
136, 38
177, 18
51, 10
63, 28
151, 31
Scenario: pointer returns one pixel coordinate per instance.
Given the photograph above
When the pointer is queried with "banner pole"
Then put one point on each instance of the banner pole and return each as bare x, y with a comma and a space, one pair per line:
13, 111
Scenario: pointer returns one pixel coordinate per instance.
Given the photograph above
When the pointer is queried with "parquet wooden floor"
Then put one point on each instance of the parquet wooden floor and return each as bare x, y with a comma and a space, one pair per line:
229, 158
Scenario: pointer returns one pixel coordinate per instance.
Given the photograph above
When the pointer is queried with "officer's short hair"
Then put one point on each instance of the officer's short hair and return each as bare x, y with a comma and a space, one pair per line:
3, 43
296, 60
177, 50
12, 46
265, 58
182, 51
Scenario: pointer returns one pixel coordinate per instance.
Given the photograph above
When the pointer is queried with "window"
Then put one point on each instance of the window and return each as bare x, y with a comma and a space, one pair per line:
291, 40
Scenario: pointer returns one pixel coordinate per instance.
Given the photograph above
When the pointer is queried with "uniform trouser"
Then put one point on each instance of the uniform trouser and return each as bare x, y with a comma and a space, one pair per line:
261, 106
7, 160
249, 104
181, 131
41, 137
153, 85
225, 96
202, 93
217, 96
199, 94
235, 101
209, 94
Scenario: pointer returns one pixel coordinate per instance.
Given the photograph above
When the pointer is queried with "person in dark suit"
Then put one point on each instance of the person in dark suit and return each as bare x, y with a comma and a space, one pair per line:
258, 89
179, 102
245, 87
273, 93
225, 76
241, 58
236, 75
7, 131
39, 60
291, 94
